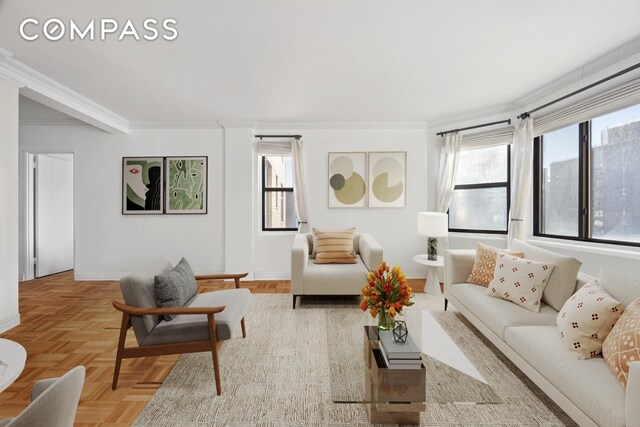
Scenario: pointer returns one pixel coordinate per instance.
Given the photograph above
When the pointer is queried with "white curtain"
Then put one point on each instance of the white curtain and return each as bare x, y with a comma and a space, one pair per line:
521, 180
447, 169
300, 186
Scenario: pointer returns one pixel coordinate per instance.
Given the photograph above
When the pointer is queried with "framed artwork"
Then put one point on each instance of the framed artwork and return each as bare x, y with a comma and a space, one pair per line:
387, 179
186, 185
347, 180
142, 191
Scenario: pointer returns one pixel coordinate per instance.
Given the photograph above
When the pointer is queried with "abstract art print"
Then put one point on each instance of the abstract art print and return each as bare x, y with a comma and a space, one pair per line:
186, 191
142, 192
387, 179
347, 180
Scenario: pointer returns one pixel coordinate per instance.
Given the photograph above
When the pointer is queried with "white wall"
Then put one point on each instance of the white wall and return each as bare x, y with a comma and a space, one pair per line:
109, 244
9, 316
393, 228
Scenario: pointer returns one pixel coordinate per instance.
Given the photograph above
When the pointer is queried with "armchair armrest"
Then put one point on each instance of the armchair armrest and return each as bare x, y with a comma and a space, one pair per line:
299, 258
40, 386
632, 409
236, 277
370, 251
137, 311
458, 265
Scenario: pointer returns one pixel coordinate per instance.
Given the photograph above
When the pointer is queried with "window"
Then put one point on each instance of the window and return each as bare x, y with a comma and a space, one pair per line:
480, 202
587, 180
278, 204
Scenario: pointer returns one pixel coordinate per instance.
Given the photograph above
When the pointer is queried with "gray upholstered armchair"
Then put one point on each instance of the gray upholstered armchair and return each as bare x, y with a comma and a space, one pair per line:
308, 278
54, 402
198, 326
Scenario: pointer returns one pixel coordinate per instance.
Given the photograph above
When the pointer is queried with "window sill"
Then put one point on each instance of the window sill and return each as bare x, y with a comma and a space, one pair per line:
478, 236
622, 251
279, 233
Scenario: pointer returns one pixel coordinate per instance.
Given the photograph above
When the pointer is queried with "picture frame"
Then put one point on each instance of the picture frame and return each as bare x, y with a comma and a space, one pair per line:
186, 185
347, 180
387, 171
142, 185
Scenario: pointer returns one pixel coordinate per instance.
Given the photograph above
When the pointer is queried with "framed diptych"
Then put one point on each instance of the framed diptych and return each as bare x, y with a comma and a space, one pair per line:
387, 171
142, 190
186, 185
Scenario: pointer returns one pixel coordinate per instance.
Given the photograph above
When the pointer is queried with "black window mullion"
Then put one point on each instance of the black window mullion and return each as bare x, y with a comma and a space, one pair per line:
266, 190
583, 183
538, 212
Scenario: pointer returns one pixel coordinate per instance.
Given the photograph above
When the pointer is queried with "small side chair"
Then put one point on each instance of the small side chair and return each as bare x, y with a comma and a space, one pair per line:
54, 402
198, 326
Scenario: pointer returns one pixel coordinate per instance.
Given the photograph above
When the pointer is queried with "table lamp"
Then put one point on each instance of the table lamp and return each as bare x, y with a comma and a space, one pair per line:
433, 225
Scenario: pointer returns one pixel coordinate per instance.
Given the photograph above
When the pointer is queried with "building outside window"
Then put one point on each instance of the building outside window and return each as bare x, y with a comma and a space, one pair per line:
278, 203
587, 180
480, 202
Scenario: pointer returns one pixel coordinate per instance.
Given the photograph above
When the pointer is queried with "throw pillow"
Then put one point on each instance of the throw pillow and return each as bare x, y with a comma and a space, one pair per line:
622, 346
623, 288
334, 246
586, 319
175, 287
562, 282
518, 280
485, 264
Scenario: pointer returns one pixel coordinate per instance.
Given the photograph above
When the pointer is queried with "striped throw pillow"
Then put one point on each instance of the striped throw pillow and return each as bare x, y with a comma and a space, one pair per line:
334, 246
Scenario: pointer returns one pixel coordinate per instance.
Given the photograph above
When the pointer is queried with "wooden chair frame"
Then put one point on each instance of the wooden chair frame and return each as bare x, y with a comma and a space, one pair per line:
179, 348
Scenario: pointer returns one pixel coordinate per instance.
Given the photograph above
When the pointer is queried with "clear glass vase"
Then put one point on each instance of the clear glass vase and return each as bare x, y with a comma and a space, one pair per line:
385, 322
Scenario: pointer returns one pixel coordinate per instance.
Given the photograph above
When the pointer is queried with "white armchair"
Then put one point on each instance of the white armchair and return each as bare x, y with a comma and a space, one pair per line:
308, 278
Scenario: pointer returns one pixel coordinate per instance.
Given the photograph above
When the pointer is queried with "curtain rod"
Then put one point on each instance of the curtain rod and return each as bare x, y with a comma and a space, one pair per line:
508, 121
279, 136
527, 114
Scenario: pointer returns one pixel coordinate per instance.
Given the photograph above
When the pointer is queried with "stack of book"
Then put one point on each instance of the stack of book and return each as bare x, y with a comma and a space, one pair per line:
399, 355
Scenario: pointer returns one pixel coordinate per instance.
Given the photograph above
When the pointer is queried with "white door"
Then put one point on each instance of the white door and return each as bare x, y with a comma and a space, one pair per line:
53, 194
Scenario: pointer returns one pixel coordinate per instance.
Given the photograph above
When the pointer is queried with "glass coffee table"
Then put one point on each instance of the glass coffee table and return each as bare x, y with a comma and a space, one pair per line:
359, 375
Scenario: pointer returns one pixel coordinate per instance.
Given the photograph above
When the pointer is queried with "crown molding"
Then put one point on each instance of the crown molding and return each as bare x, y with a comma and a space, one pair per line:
144, 125
40, 88
339, 125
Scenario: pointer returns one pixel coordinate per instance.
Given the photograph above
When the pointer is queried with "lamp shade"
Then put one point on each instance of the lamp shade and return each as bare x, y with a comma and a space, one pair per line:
433, 224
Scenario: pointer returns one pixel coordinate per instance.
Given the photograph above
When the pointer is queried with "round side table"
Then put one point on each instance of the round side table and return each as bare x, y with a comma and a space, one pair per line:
432, 275
12, 359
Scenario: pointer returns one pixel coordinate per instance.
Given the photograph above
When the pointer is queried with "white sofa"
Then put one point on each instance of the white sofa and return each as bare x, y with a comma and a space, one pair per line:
585, 389
308, 278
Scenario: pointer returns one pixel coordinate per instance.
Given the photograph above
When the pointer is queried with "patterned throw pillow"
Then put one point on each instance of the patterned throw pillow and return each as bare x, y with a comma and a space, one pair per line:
519, 280
587, 318
334, 246
485, 264
176, 287
622, 346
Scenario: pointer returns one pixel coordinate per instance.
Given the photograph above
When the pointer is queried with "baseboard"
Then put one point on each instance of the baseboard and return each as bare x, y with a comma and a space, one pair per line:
415, 274
10, 322
21, 277
271, 276
110, 277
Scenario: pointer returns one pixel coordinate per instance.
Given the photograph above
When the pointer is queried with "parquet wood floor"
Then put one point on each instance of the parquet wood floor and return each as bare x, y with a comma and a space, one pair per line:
65, 323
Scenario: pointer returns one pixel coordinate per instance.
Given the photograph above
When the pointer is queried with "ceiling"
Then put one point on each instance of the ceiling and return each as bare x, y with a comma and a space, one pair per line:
322, 61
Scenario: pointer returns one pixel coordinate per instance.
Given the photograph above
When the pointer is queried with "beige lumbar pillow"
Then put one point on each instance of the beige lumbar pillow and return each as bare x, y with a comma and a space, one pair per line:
587, 318
334, 246
519, 280
622, 346
485, 264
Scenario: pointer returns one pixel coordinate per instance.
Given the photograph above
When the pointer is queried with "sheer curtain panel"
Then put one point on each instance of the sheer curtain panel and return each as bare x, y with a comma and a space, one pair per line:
521, 180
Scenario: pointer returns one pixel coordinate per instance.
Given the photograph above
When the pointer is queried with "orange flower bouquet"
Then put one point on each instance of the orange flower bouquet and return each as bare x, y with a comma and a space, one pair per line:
386, 294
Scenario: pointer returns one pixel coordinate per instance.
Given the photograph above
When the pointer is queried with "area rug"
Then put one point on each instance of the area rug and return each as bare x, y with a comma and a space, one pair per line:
282, 375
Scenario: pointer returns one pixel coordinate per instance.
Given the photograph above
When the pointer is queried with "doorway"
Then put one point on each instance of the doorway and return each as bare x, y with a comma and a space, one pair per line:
49, 208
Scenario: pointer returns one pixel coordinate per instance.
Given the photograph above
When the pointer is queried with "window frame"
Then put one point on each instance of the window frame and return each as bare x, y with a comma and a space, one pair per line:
584, 191
499, 184
264, 192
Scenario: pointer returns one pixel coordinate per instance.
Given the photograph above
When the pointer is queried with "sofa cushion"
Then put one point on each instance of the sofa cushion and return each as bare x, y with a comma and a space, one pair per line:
497, 314
334, 279
621, 287
138, 290
622, 346
520, 281
485, 264
562, 281
587, 383
311, 241
586, 319
175, 287
194, 327
334, 246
